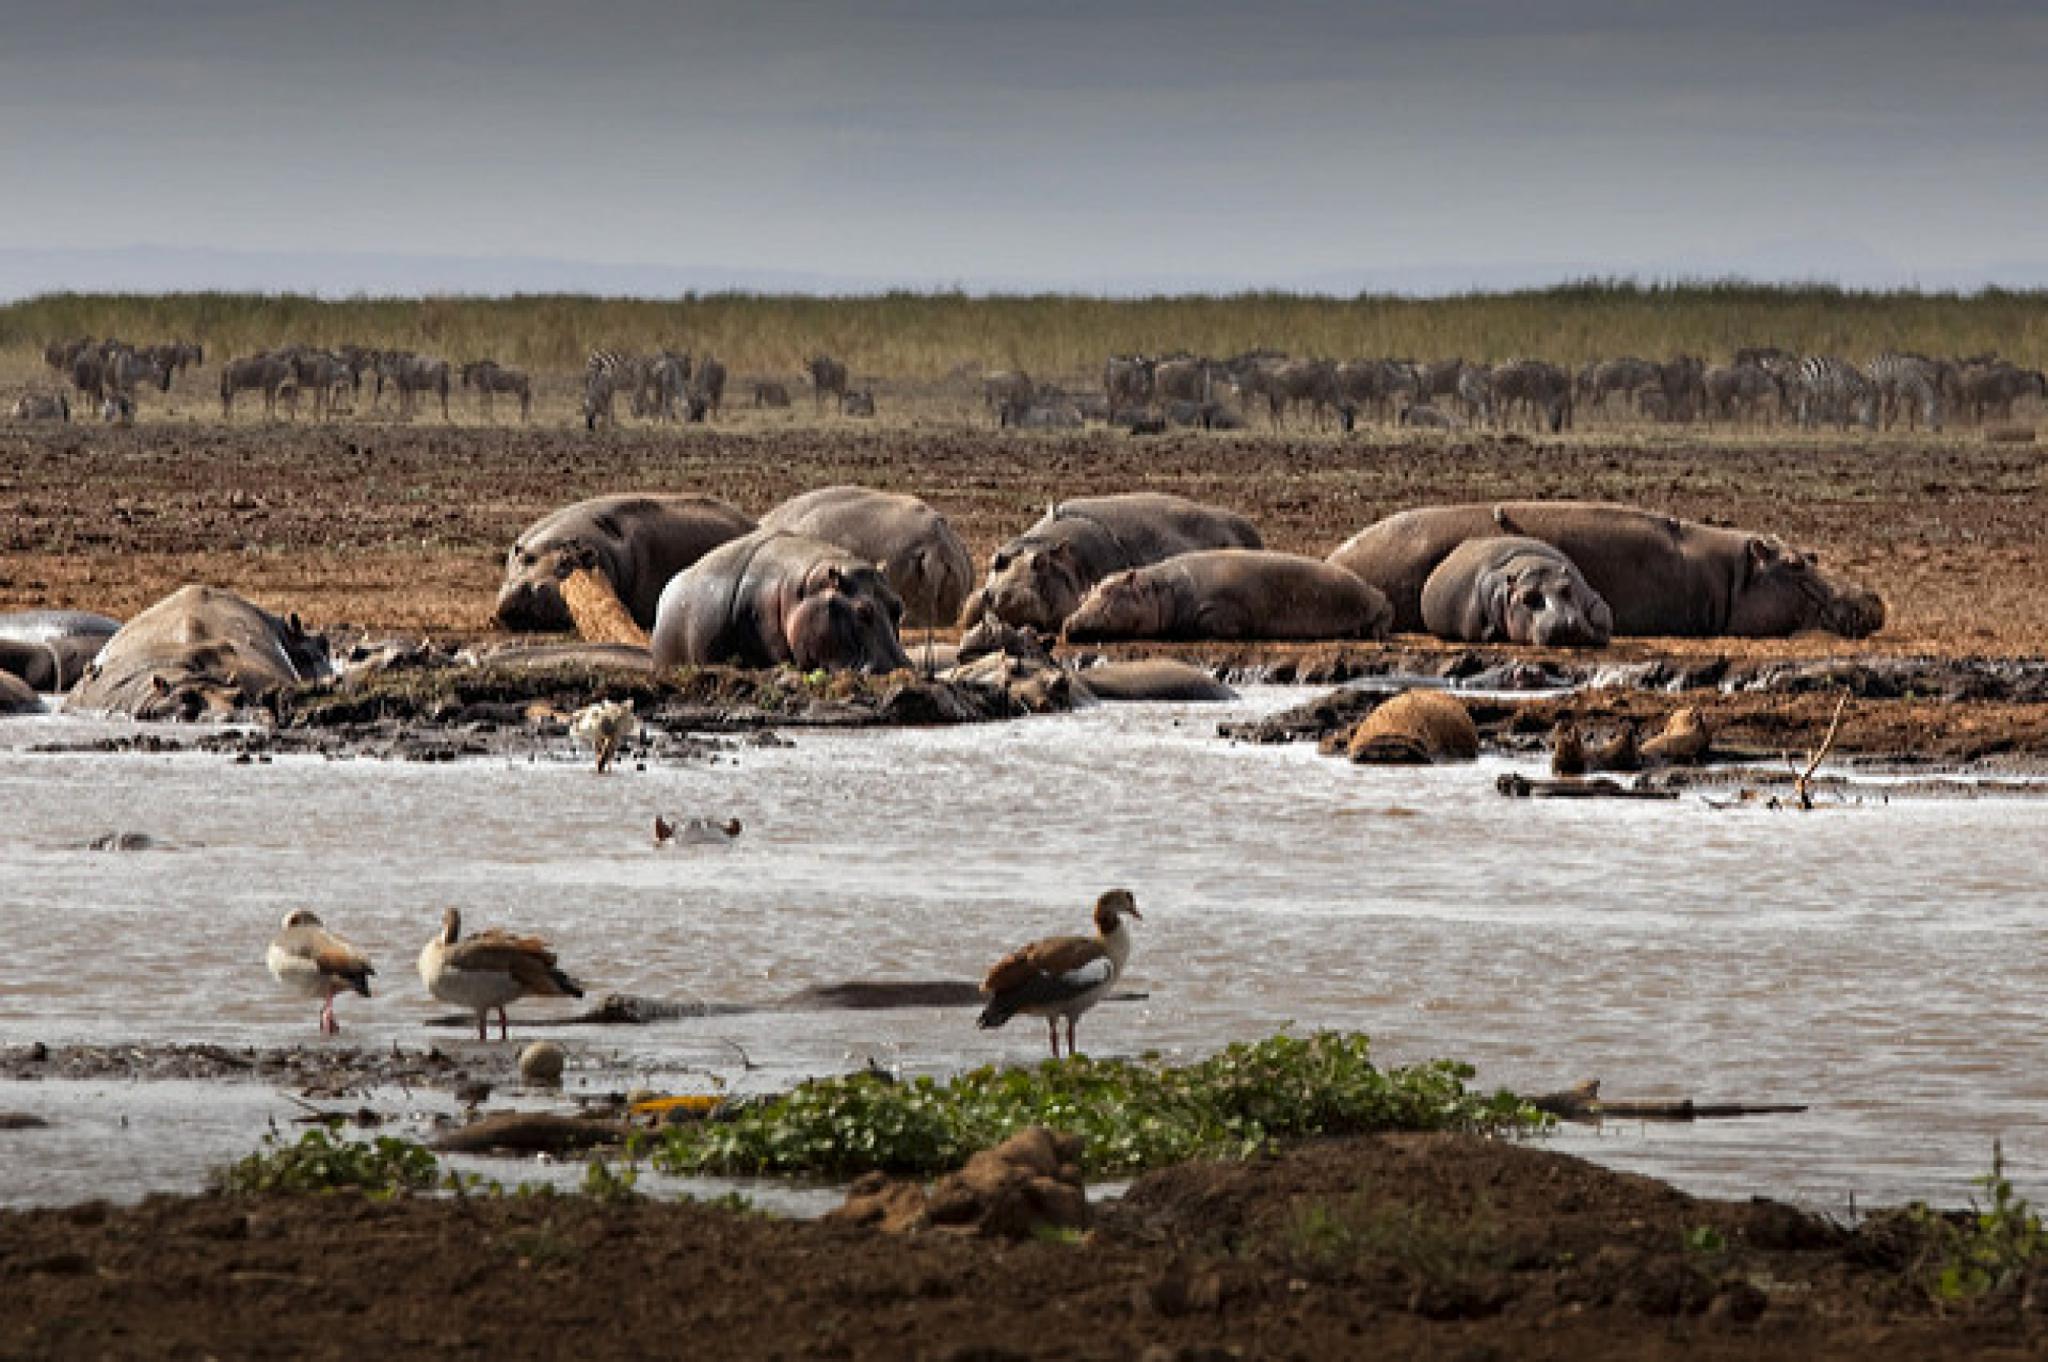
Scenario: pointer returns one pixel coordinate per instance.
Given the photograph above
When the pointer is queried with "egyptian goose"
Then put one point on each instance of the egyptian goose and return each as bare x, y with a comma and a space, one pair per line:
308, 959
489, 970
1062, 976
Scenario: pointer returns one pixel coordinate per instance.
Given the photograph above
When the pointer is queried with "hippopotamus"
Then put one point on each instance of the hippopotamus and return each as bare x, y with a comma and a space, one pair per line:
773, 597
17, 696
637, 541
1657, 573
1231, 594
1153, 678
1040, 576
49, 649
199, 650
1517, 590
927, 564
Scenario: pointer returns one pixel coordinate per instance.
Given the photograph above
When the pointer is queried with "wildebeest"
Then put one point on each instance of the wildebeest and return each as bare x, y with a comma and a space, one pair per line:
1990, 390
827, 375
1182, 379
414, 374
1740, 391
707, 389
661, 384
43, 407
322, 374
121, 369
1313, 381
1033, 415
1127, 381
768, 393
1602, 379
1005, 389
860, 402
263, 372
1423, 416
1473, 387
490, 378
1373, 384
1534, 386
118, 409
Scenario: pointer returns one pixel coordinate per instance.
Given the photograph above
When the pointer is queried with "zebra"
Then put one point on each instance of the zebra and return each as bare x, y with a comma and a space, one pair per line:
123, 368
827, 375
606, 374
1908, 384
1831, 387
662, 384
489, 377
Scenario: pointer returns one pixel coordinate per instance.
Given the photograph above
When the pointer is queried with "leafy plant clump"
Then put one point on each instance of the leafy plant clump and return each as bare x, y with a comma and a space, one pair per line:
1969, 1257
322, 1162
1130, 1115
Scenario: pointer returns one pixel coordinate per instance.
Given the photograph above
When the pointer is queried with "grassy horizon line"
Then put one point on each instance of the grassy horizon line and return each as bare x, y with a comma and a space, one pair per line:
940, 333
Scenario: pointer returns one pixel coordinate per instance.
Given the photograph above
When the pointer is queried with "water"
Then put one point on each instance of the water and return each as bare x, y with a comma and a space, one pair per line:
1878, 962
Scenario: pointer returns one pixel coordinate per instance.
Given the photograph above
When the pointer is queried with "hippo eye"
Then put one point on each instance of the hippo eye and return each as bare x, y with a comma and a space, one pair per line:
1533, 600
1001, 561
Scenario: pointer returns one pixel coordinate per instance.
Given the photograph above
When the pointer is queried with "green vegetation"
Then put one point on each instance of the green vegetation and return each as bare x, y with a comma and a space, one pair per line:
1968, 1257
1131, 1116
929, 336
322, 1162
1333, 1240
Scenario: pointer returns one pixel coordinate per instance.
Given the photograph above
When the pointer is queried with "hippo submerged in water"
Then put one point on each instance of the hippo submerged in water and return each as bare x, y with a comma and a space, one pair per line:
927, 564
1515, 590
50, 649
774, 598
1231, 594
1040, 576
637, 542
1658, 574
199, 651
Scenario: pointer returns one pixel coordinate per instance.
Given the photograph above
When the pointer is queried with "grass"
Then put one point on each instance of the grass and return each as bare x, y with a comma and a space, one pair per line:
933, 336
1983, 1252
1130, 1115
322, 1162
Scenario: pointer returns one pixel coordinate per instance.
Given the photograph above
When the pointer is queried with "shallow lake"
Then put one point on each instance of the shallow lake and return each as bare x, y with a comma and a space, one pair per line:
1880, 962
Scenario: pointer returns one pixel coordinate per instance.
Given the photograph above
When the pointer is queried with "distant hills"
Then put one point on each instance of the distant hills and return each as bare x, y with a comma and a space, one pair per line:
25, 272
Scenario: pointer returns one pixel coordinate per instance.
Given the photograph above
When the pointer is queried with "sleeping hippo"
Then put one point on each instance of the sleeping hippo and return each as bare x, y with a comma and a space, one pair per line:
1516, 590
49, 649
199, 651
1040, 576
772, 598
927, 564
17, 696
1231, 594
638, 542
1657, 573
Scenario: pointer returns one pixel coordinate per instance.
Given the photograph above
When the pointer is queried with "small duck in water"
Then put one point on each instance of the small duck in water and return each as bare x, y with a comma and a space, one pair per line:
696, 832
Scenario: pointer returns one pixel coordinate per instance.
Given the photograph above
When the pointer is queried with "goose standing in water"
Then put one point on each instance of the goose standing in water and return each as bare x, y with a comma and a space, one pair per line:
1063, 976
308, 959
489, 970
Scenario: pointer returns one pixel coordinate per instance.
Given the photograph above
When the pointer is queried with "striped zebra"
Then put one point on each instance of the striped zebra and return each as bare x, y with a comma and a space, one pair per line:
1908, 384
606, 374
1831, 388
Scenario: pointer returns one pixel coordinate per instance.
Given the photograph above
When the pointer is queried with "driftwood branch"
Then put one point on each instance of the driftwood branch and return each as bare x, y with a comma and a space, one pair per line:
1583, 1102
530, 1132
1599, 787
1802, 781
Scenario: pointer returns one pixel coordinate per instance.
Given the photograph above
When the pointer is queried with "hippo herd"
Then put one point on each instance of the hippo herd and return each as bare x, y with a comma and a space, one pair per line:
830, 579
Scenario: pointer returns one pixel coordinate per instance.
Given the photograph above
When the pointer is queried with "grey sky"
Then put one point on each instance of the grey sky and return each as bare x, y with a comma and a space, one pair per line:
1115, 146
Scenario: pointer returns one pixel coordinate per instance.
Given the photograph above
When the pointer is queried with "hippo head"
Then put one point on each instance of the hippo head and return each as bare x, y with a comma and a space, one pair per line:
1545, 602
846, 621
310, 655
1130, 604
530, 601
1782, 591
1035, 587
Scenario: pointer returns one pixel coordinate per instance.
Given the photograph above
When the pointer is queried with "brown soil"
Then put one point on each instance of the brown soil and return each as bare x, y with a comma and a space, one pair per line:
1425, 1246
405, 527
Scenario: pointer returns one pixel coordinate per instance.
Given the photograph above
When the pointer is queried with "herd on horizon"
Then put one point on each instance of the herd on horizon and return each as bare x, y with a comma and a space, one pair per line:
1143, 394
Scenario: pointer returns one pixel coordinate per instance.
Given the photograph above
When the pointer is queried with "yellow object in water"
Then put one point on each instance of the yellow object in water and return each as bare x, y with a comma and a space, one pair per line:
694, 1104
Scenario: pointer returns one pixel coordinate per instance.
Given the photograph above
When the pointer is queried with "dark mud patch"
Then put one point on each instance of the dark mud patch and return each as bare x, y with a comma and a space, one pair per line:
1389, 1246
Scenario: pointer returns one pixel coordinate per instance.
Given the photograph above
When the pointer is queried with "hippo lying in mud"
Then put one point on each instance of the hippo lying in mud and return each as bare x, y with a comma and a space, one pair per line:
1515, 590
199, 651
638, 542
927, 564
1658, 574
1040, 576
772, 598
1231, 594
50, 649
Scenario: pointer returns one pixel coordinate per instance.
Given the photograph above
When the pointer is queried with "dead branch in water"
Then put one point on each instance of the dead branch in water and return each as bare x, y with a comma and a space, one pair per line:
1802, 781
1582, 1102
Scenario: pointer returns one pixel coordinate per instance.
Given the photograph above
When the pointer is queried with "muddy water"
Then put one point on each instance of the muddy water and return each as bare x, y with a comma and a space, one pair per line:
1879, 962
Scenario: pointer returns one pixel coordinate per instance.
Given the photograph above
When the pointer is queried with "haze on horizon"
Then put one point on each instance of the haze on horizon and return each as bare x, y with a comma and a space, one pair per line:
1155, 145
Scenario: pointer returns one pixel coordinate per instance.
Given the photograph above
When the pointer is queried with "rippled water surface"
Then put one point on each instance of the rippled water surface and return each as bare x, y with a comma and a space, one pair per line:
1882, 962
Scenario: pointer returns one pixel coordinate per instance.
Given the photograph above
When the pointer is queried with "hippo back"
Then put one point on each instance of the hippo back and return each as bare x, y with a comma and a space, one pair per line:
199, 650
926, 562
772, 598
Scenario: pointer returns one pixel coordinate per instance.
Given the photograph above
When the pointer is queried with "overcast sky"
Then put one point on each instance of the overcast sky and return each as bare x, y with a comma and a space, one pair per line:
1160, 143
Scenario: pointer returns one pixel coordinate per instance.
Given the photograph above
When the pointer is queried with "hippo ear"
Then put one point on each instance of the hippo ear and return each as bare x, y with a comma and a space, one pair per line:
1762, 553
292, 627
